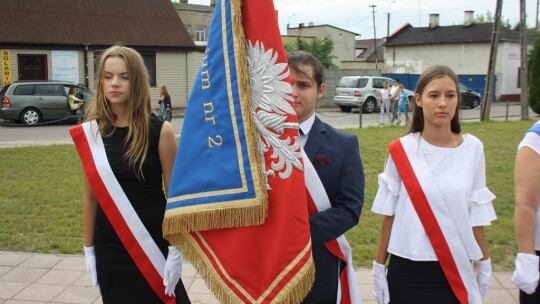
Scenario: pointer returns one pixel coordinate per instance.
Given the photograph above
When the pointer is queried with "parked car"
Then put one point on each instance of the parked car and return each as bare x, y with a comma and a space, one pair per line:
469, 98
361, 91
32, 102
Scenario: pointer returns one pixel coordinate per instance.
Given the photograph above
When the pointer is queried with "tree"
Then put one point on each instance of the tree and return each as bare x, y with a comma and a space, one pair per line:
534, 77
489, 17
320, 48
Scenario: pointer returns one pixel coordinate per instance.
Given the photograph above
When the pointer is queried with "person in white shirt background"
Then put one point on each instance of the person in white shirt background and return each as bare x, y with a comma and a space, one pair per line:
527, 221
384, 102
394, 91
455, 189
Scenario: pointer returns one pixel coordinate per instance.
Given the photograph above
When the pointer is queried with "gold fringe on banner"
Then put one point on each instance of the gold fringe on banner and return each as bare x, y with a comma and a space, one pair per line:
295, 291
224, 215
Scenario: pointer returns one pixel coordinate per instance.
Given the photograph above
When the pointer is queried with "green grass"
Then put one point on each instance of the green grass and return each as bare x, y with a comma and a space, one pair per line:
41, 193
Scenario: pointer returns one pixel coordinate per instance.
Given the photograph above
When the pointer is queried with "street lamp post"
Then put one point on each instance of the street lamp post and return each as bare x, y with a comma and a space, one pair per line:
388, 19
289, 19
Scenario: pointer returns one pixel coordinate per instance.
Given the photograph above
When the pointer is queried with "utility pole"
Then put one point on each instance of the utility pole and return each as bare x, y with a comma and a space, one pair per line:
523, 70
536, 23
486, 104
388, 24
373, 6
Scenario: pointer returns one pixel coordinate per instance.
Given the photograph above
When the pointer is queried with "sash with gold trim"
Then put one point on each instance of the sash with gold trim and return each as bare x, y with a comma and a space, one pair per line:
435, 217
236, 207
116, 206
348, 290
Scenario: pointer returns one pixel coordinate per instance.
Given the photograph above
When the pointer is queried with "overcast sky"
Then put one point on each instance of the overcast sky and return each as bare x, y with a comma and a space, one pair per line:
356, 16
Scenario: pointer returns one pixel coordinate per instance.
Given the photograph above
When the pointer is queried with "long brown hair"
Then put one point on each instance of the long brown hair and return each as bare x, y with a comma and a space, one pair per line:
138, 105
431, 73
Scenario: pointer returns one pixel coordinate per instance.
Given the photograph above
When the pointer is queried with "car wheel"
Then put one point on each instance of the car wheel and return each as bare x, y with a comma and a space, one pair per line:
30, 116
369, 105
475, 103
345, 109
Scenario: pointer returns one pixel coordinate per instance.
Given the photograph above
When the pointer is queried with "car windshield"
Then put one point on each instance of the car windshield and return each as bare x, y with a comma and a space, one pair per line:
352, 82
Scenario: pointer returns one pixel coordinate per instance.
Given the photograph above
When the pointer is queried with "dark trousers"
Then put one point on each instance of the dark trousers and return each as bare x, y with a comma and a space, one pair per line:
418, 282
530, 298
393, 109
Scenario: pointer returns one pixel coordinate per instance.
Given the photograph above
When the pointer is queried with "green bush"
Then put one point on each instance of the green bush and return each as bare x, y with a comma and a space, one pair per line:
534, 77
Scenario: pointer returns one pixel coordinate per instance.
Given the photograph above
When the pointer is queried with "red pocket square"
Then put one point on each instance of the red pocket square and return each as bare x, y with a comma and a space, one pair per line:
321, 161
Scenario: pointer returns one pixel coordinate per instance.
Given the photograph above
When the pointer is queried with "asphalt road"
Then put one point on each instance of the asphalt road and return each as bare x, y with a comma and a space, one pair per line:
20, 136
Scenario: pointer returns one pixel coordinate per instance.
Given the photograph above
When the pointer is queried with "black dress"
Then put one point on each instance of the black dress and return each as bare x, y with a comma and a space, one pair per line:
119, 278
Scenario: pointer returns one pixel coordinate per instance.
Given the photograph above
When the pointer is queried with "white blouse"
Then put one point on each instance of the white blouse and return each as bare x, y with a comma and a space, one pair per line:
460, 174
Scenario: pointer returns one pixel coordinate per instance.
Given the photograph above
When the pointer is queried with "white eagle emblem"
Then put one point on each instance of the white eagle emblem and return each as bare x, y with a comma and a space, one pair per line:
270, 103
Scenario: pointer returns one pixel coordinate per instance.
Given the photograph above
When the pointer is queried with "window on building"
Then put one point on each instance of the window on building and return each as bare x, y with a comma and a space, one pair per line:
201, 33
188, 28
149, 59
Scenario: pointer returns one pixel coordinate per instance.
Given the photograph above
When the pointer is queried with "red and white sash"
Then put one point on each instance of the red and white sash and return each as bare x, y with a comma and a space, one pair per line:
116, 206
432, 209
348, 289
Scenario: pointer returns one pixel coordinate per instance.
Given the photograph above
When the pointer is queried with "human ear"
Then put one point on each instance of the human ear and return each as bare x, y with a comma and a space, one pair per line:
418, 100
321, 90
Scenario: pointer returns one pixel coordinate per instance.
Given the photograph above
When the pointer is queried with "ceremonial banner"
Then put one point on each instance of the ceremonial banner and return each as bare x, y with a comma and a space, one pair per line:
240, 145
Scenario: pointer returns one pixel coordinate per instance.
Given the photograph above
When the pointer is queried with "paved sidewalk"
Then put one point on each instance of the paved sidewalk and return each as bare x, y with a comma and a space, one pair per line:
31, 278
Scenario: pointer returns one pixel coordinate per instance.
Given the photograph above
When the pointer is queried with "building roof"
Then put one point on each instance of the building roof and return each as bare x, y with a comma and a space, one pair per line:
195, 7
368, 50
477, 32
318, 26
137, 23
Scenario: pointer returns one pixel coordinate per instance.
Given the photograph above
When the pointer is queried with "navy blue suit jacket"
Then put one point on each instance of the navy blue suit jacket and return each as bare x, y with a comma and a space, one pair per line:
336, 158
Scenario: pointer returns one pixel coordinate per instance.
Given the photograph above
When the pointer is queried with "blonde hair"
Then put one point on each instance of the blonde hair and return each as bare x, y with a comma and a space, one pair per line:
138, 105
164, 90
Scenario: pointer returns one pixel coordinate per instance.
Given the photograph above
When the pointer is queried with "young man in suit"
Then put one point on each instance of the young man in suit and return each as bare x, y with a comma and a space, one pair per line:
336, 158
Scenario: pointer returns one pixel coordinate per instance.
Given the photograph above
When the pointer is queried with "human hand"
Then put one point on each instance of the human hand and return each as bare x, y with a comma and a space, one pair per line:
526, 275
173, 270
380, 284
483, 274
90, 258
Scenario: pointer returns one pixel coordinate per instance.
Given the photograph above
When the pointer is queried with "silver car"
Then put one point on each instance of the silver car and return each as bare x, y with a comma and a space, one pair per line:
361, 91
32, 102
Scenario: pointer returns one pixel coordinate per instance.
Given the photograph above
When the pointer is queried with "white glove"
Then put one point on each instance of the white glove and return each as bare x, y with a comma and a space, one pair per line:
90, 258
380, 284
483, 274
526, 275
173, 270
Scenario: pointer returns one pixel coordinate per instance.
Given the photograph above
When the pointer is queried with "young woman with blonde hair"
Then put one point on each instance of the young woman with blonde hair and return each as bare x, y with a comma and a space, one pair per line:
127, 155
165, 106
